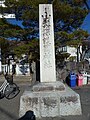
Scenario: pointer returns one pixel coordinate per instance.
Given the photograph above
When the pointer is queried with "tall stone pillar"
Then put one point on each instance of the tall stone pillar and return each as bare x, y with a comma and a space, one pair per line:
47, 50
49, 98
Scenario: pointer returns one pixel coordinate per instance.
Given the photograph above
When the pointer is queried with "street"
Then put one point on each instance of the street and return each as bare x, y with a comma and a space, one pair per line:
9, 109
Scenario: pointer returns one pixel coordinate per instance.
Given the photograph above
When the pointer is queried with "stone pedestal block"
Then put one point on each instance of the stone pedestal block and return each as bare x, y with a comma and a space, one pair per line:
50, 100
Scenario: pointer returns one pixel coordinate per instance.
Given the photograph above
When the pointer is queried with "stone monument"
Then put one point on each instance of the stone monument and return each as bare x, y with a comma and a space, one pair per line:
49, 98
47, 52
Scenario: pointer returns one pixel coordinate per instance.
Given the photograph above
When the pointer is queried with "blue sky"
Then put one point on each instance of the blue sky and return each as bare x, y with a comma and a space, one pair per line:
86, 23
15, 22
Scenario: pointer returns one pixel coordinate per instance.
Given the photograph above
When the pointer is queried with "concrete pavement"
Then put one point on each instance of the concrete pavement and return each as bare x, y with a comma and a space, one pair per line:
9, 109
17, 78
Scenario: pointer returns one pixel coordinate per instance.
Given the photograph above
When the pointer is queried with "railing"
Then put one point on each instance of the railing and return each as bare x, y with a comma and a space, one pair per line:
19, 69
6, 68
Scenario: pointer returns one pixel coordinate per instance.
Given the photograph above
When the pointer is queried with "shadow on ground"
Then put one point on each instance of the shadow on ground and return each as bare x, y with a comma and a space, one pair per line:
29, 115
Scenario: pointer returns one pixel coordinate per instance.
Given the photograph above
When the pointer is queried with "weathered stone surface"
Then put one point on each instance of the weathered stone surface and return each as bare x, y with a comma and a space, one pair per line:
47, 50
49, 106
51, 103
29, 103
70, 105
50, 98
53, 86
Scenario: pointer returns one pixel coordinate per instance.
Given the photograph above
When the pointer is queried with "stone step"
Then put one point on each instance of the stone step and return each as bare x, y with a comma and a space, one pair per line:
17, 78
50, 103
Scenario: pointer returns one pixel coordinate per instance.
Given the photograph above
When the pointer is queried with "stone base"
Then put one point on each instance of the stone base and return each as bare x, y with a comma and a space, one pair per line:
50, 100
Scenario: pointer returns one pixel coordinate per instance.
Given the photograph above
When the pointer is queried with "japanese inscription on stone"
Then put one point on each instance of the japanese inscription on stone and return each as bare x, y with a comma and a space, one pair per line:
47, 53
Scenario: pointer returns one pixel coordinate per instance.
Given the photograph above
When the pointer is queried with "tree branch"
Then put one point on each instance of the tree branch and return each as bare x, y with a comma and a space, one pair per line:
85, 2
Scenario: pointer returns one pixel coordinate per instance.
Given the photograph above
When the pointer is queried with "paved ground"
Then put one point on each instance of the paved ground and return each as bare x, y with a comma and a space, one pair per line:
9, 109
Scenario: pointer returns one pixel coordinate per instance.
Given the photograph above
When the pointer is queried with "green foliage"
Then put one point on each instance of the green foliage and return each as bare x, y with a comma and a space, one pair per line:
21, 49
31, 49
80, 34
68, 17
69, 14
74, 43
13, 31
34, 50
78, 37
62, 56
7, 30
72, 58
4, 45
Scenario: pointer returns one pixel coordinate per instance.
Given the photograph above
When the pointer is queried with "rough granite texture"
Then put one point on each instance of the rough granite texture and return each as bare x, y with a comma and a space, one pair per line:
51, 102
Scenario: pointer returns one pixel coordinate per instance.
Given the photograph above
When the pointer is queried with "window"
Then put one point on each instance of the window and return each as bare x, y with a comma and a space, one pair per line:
64, 49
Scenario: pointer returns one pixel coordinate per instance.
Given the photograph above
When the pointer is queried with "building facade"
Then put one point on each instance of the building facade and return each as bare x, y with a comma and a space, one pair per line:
72, 51
5, 15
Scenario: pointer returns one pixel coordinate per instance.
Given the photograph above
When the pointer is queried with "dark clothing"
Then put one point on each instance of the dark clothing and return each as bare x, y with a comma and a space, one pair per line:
29, 115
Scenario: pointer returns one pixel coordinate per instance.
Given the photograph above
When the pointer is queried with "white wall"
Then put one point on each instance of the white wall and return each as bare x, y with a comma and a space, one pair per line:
2, 3
5, 15
22, 69
72, 51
